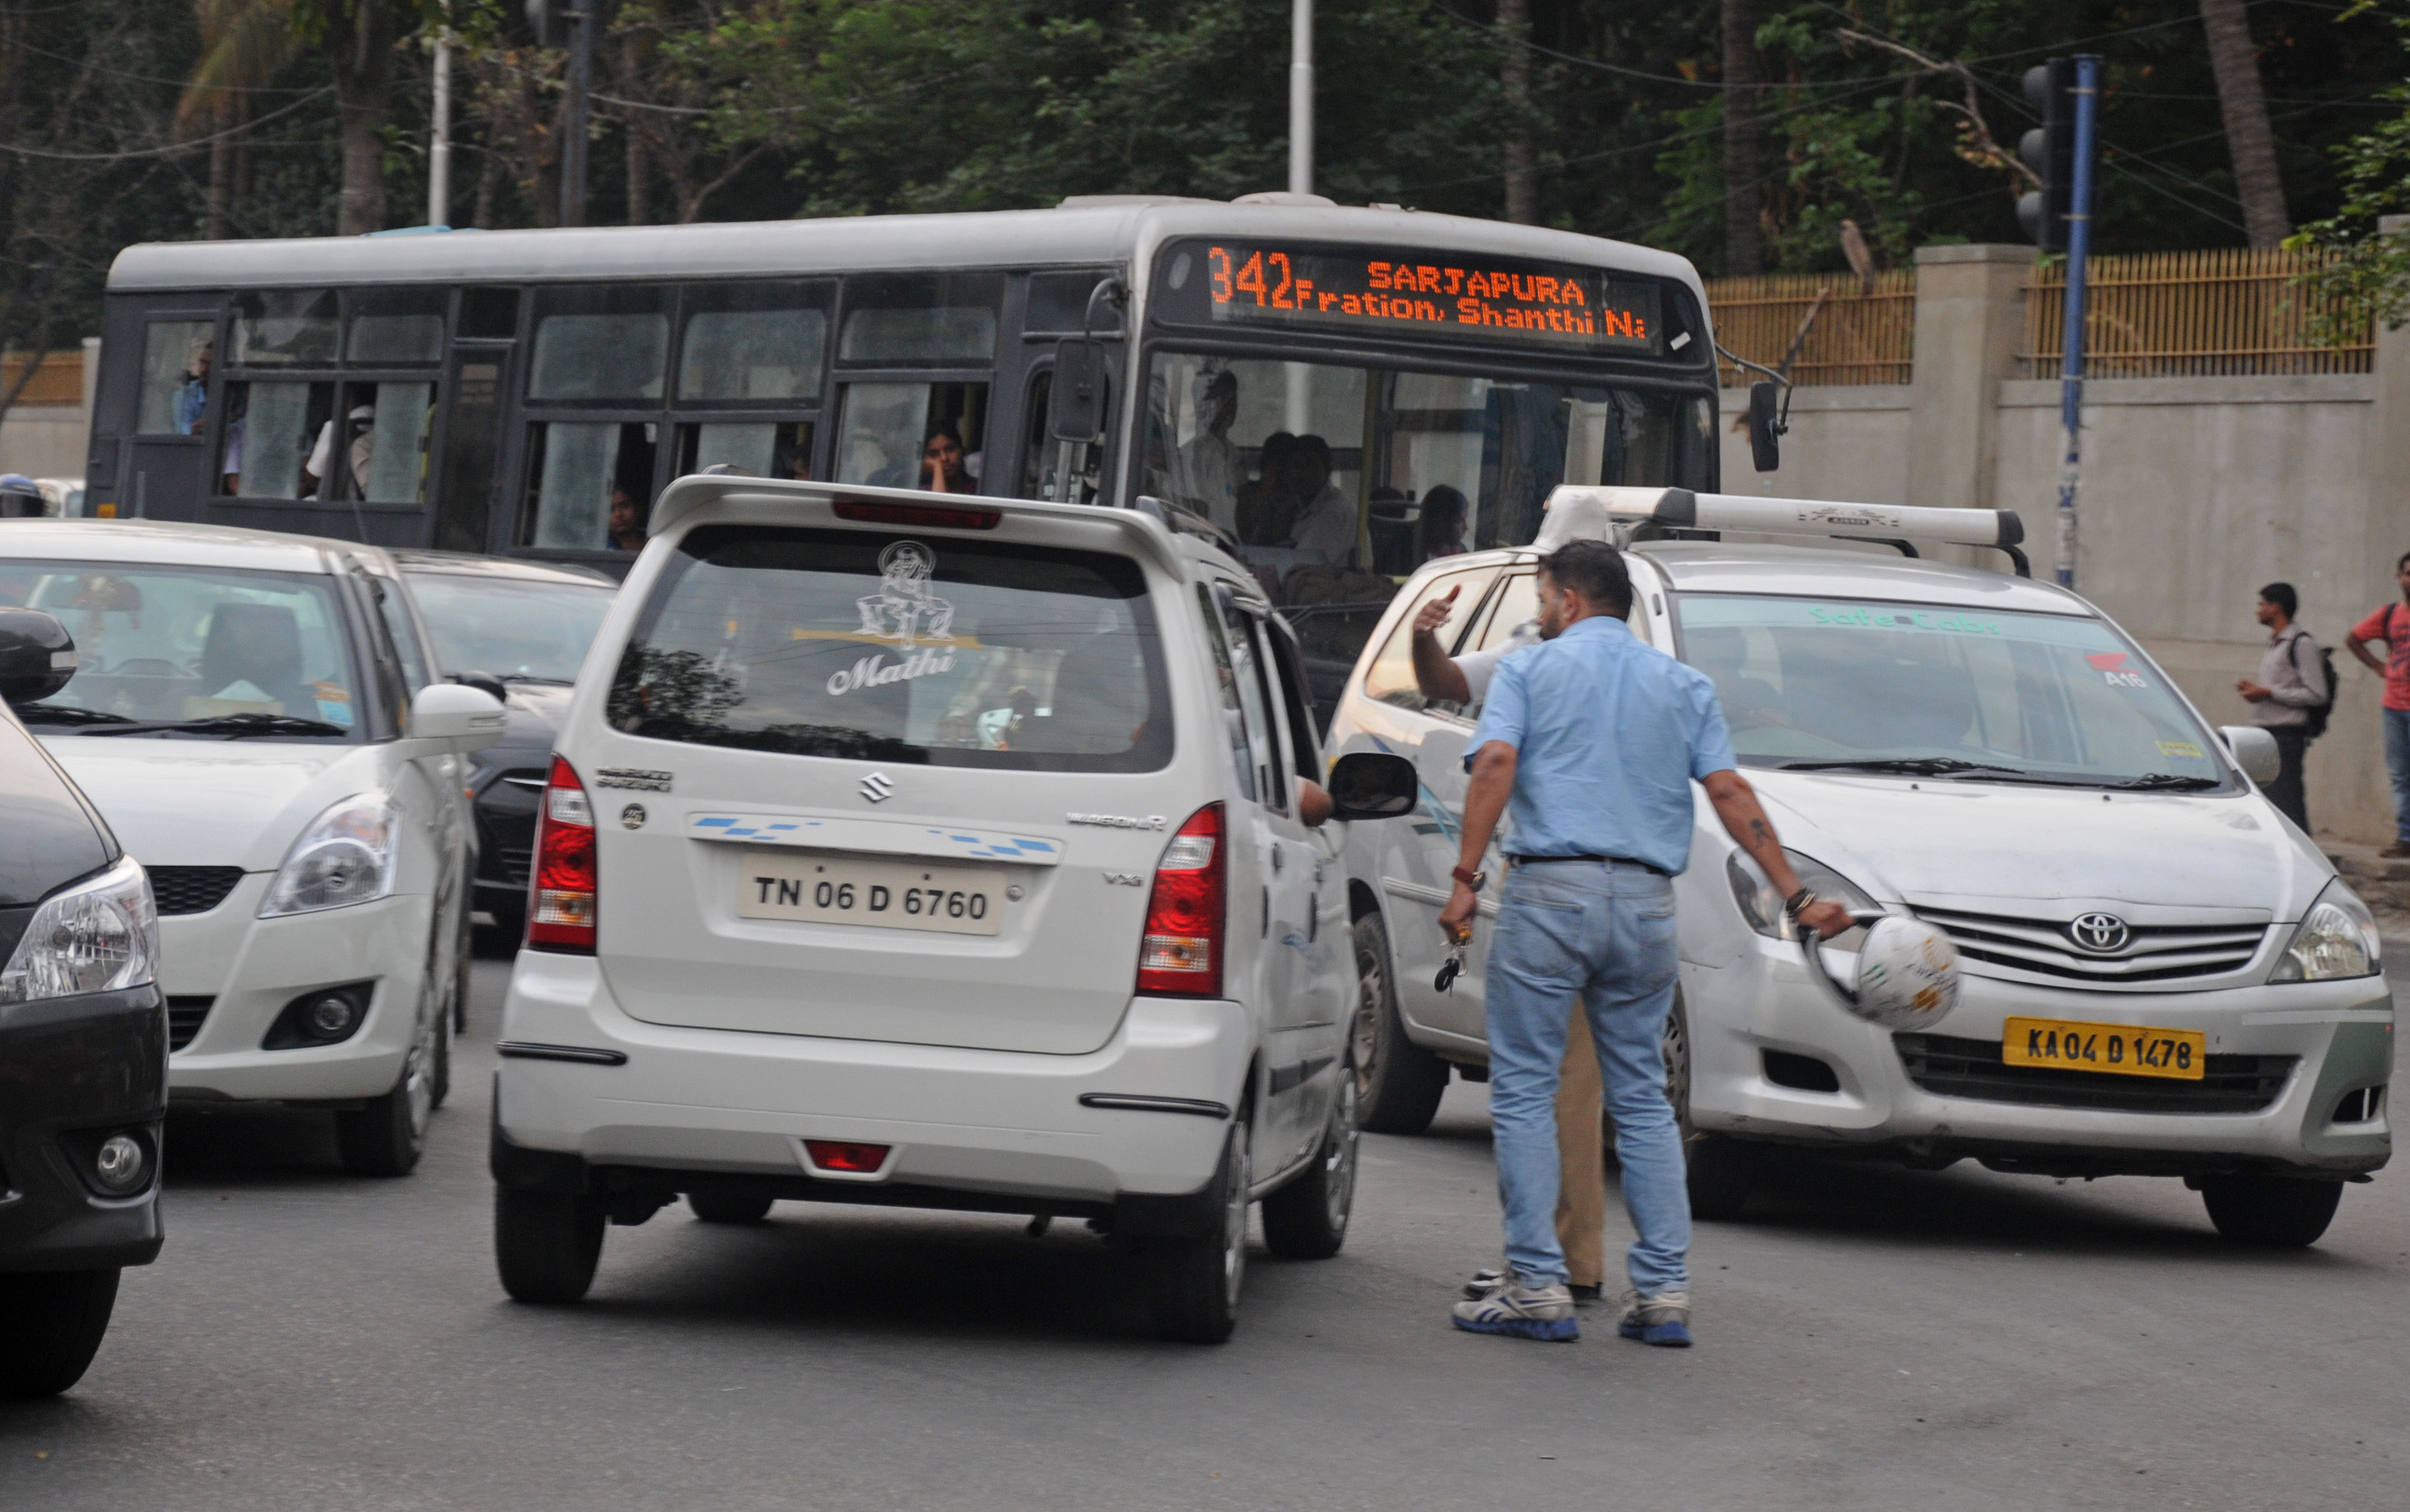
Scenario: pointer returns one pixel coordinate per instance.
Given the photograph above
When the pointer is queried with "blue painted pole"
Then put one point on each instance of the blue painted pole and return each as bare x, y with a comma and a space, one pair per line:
2079, 248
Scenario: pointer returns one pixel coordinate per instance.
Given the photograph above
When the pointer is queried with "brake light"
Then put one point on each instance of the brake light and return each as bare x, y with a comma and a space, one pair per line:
1180, 954
560, 902
872, 512
848, 1156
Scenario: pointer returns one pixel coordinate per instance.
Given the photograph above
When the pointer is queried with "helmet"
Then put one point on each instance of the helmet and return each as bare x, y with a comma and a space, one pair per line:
1907, 975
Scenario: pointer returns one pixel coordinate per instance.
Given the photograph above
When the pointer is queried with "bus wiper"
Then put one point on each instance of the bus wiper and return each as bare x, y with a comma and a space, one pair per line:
530, 677
233, 726
68, 714
2166, 781
1903, 765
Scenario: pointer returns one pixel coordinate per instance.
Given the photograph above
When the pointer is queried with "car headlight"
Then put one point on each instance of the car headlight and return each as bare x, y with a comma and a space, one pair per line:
346, 856
2336, 938
99, 935
1762, 906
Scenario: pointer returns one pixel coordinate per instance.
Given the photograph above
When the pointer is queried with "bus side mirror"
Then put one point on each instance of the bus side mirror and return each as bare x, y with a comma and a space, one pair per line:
1765, 427
37, 656
1370, 784
1078, 394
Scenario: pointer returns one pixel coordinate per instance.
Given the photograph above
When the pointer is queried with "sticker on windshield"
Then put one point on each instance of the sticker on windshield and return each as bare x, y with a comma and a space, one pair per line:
1905, 620
904, 611
334, 702
2111, 667
2184, 750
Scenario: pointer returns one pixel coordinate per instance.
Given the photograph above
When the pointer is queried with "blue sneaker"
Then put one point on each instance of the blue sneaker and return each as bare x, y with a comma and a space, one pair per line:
1663, 1320
1543, 1312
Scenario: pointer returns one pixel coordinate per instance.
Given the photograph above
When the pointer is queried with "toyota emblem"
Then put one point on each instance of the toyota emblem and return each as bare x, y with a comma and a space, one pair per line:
878, 787
2102, 934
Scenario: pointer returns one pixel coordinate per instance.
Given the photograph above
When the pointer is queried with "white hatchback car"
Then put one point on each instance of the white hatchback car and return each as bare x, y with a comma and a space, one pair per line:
2160, 974
946, 855
251, 713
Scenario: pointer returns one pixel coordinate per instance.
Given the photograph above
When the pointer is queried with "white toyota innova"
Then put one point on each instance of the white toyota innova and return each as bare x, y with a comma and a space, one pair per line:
2159, 974
943, 855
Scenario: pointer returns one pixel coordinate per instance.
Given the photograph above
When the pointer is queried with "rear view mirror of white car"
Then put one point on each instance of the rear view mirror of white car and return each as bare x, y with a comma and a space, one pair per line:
1373, 785
2255, 751
469, 720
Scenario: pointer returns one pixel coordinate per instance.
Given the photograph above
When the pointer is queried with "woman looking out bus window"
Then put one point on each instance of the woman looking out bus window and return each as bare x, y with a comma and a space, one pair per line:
941, 462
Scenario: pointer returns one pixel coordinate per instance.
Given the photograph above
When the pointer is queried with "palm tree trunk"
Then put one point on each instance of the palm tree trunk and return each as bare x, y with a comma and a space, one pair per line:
1744, 197
1515, 80
221, 173
359, 41
2240, 99
638, 131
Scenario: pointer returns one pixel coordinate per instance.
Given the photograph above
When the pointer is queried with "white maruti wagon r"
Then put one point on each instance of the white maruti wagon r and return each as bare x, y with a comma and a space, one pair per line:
2160, 975
944, 855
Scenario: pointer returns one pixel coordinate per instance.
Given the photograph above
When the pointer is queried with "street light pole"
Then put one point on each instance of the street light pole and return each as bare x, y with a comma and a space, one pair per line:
574, 126
439, 146
2079, 249
1301, 97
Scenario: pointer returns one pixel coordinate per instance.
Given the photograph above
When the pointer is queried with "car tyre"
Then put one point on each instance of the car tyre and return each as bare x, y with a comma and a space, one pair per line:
1307, 1219
1193, 1284
53, 1322
1397, 1082
1721, 1173
2271, 1212
546, 1244
387, 1137
727, 1207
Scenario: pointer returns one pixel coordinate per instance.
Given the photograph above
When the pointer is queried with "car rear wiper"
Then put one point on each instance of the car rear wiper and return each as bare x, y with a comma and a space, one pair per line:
1903, 765
68, 714
232, 725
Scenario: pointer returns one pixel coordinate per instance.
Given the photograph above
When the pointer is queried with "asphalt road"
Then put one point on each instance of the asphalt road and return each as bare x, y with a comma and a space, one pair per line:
1867, 1339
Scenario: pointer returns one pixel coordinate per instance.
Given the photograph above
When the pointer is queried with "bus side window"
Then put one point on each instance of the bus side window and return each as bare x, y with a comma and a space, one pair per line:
177, 355
885, 431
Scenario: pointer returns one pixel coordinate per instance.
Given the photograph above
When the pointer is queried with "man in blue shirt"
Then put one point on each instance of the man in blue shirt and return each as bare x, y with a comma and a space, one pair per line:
1594, 740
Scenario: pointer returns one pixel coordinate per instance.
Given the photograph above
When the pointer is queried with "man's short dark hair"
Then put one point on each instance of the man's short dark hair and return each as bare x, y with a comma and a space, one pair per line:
2283, 597
1595, 571
2403, 563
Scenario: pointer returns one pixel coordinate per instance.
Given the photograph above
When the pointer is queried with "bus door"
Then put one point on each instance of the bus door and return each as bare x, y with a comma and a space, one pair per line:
160, 469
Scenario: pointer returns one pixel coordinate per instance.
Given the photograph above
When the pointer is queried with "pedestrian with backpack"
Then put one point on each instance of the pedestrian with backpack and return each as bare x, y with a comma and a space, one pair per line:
2392, 625
2295, 689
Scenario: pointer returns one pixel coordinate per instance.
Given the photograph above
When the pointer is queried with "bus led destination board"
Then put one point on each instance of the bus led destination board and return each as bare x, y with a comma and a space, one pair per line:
1401, 291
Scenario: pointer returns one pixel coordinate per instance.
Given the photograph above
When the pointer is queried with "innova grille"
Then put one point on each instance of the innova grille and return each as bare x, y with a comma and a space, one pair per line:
1949, 1067
2152, 952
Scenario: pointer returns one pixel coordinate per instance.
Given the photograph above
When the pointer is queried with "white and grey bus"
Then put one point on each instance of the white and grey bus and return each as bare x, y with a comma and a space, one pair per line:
1345, 392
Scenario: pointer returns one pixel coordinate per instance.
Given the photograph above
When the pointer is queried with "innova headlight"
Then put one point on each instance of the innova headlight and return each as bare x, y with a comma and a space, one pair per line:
99, 935
1762, 906
346, 856
2336, 938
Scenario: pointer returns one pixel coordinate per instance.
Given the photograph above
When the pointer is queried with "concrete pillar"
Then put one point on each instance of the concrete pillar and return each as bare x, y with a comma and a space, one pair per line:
91, 375
1969, 322
2385, 465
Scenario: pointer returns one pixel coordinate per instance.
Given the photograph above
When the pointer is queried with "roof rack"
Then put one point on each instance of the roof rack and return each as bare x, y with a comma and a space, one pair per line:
1575, 511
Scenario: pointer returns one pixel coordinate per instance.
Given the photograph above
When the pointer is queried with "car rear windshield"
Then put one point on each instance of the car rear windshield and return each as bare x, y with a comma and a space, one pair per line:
1829, 684
877, 646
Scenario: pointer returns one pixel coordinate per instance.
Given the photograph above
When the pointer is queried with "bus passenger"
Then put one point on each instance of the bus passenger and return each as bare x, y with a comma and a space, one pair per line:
1208, 475
193, 394
1265, 510
627, 525
941, 462
1326, 518
1439, 532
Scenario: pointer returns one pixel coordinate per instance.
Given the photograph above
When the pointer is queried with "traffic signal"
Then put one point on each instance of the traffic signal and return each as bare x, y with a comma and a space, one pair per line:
2049, 149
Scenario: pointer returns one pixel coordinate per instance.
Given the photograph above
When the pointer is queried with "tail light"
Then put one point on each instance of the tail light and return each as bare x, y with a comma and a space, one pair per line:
561, 906
1180, 954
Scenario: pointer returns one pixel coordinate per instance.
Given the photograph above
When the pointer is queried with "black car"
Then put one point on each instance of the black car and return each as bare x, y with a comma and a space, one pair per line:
518, 629
83, 1044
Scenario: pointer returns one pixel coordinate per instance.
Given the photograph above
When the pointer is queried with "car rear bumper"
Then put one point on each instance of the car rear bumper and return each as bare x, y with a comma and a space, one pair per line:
997, 1129
2331, 1040
54, 1112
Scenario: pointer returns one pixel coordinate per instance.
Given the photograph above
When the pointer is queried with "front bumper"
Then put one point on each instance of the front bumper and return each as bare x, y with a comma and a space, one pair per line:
2338, 1035
248, 968
78, 1070
1005, 1128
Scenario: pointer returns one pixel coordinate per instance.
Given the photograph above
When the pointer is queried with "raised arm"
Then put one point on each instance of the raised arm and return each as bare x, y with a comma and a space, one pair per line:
1435, 675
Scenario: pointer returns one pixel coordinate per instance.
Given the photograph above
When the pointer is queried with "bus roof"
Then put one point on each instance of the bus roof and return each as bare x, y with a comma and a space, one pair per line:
1079, 233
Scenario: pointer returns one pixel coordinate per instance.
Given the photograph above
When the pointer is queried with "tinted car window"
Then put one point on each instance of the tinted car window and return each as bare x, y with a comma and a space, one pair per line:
896, 648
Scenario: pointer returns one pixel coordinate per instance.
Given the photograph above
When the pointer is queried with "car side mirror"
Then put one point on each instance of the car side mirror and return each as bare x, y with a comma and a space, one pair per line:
37, 656
1078, 397
2255, 751
463, 718
1372, 784
485, 683
1765, 427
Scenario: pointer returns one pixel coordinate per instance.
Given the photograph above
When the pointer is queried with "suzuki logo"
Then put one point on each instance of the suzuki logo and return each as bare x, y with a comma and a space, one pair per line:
876, 788
2102, 934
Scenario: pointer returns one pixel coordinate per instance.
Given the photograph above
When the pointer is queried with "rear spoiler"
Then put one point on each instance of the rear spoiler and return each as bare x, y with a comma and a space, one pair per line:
1574, 513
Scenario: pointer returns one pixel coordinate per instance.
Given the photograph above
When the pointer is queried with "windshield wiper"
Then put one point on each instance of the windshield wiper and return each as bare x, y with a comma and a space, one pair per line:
530, 677
1903, 765
232, 726
68, 714
2169, 781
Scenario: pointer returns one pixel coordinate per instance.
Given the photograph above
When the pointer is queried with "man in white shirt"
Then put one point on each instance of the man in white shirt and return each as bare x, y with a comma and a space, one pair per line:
1327, 522
1208, 476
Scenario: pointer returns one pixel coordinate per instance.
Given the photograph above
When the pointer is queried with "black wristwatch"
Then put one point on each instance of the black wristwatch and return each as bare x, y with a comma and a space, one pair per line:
1793, 905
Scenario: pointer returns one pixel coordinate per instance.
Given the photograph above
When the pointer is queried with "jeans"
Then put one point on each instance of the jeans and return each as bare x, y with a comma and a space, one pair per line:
1601, 934
2396, 766
2286, 793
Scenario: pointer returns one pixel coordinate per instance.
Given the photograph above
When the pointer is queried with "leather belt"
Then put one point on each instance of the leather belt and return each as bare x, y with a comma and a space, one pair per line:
1603, 861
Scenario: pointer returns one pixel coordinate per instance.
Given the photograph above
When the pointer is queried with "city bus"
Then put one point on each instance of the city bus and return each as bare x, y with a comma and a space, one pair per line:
1341, 393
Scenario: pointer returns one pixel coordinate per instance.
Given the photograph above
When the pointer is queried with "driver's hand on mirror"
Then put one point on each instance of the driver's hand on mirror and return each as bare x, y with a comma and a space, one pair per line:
1314, 804
1434, 614
1826, 918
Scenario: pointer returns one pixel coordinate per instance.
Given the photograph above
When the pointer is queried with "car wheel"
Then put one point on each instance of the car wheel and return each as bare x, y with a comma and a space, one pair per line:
1397, 1082
1307, 1219
1721, 1171
546, 1244
387, 1137
1193, 1284
2273, 1212
53, 1322
727, 1207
